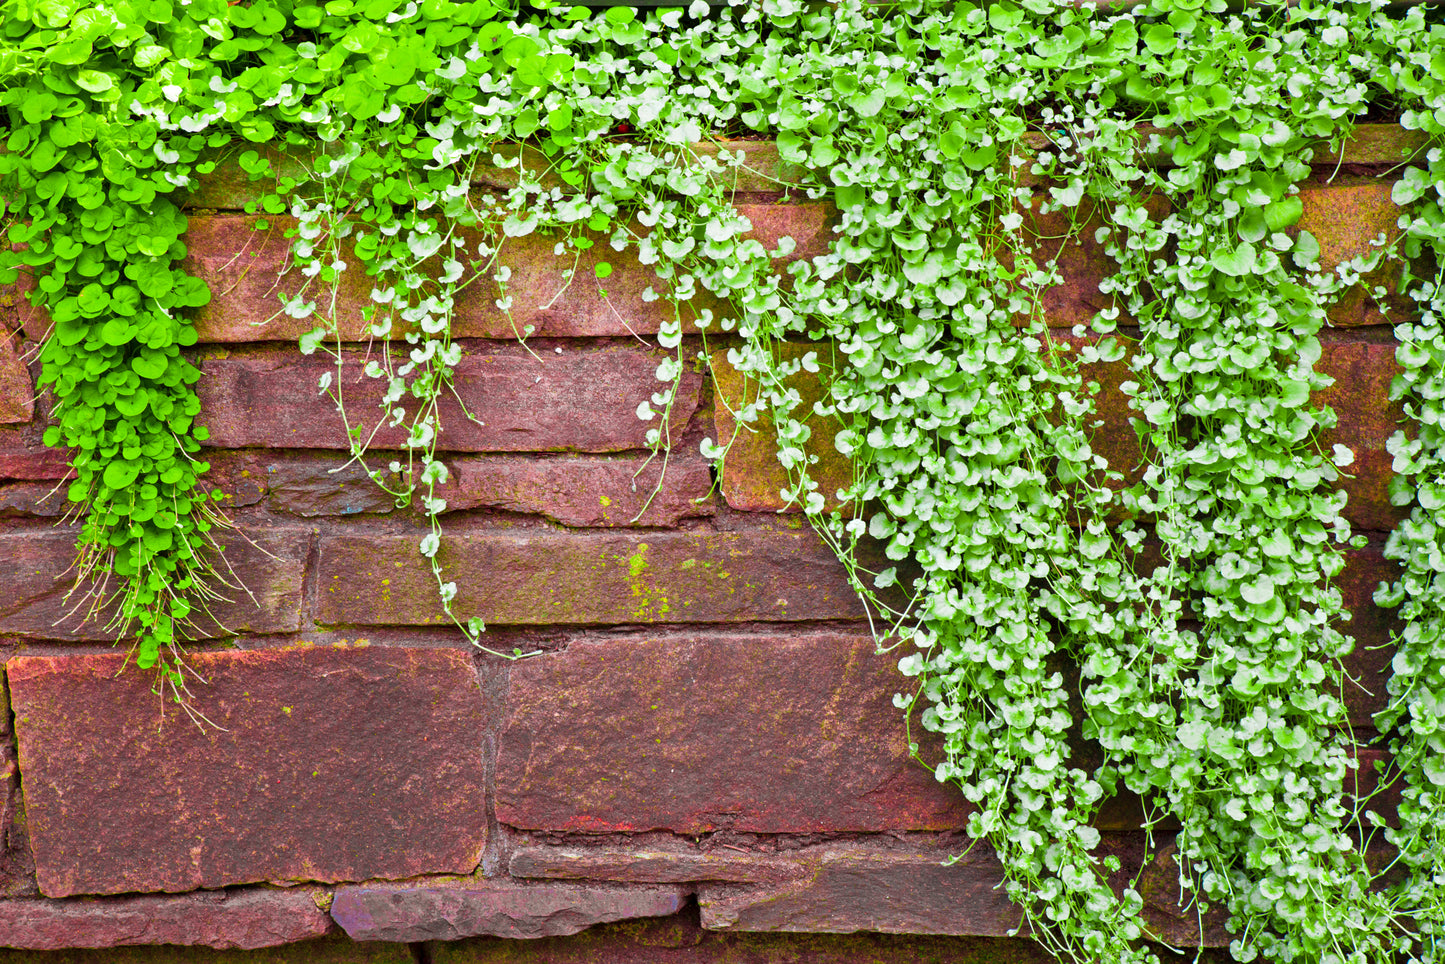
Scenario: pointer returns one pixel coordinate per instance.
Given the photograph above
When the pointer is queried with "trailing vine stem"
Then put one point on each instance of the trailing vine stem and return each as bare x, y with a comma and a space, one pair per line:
1076, 629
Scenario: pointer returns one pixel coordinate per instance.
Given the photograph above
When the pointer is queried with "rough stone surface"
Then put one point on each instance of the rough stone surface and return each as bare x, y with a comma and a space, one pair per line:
23, 455
35, 561
541, 576
753, 733
680, 940
246, 270
585, 490
307, 484
448, 910
1360, 397
581, 400
325, 764
752, 476
326, 950
17, 394
856, 889
861, 887
1372, 629
651, 865
248, 918
1374, 144
1345, 217
17, 867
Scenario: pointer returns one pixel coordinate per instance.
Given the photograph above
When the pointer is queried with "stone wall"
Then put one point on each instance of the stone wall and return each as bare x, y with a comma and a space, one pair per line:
702, 764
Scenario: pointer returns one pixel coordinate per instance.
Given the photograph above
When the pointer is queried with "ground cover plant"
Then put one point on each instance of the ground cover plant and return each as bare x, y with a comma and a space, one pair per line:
1184, 624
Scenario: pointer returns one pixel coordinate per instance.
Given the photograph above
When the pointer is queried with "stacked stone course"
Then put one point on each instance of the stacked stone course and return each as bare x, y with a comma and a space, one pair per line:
703, 762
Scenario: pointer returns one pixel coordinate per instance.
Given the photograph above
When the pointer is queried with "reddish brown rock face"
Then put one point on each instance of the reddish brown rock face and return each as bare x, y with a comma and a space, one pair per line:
237, 919
449, 910
755, 733
317, 764
36, 559
543, 576
580, 400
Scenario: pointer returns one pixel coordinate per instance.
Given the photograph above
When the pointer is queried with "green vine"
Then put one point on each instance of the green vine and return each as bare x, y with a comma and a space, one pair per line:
1179, 620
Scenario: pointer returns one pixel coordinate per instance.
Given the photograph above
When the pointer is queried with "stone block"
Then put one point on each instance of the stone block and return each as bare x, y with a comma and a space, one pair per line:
326, 950
547, 577
1347, 217
570, 400
1362, 370
699, 733
594, 491
249, 918
306, 764
652, 864
447, 910
752, 476
265, 565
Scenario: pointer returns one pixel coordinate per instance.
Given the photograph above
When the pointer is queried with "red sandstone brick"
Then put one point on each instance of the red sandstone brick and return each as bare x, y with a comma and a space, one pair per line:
324, 764
326, 950
654, 864
1345, 217
238, 919
752, 476
447, 910
586, 490
244, 268
1360, 396
17, 393
1371, 627
542, 576
35, 565
579, 400
754, 733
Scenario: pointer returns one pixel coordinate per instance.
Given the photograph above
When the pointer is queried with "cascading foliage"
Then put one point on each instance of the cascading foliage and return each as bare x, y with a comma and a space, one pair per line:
1176, 618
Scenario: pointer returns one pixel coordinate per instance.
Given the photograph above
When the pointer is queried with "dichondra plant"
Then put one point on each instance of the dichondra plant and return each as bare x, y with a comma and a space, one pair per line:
1076, 629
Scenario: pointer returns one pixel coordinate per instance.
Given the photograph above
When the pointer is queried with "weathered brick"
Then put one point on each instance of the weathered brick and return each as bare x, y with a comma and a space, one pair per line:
1372, 629
693, 734
244, 266
266, 565
326, 950
585, 490
580, 400
252, 918
752, 476
652, 864
679, 940
1373, 144
308, 484
1360, 397
451, 909
858, 888
325, 764
1345, 217
17, 868
542, 576
903, 890
17, 393
23, 455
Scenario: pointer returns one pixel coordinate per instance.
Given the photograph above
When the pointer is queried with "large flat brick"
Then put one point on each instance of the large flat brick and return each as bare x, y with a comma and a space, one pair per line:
857, 888
586, 490
693, 734
752, 476
23, 455
541, 576
1360, 397
449, 910
325, 764
576, 400
1345, 217
268, 562
652, 864
17, 392
1371, 627
237, 919
901, 890
246, 270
